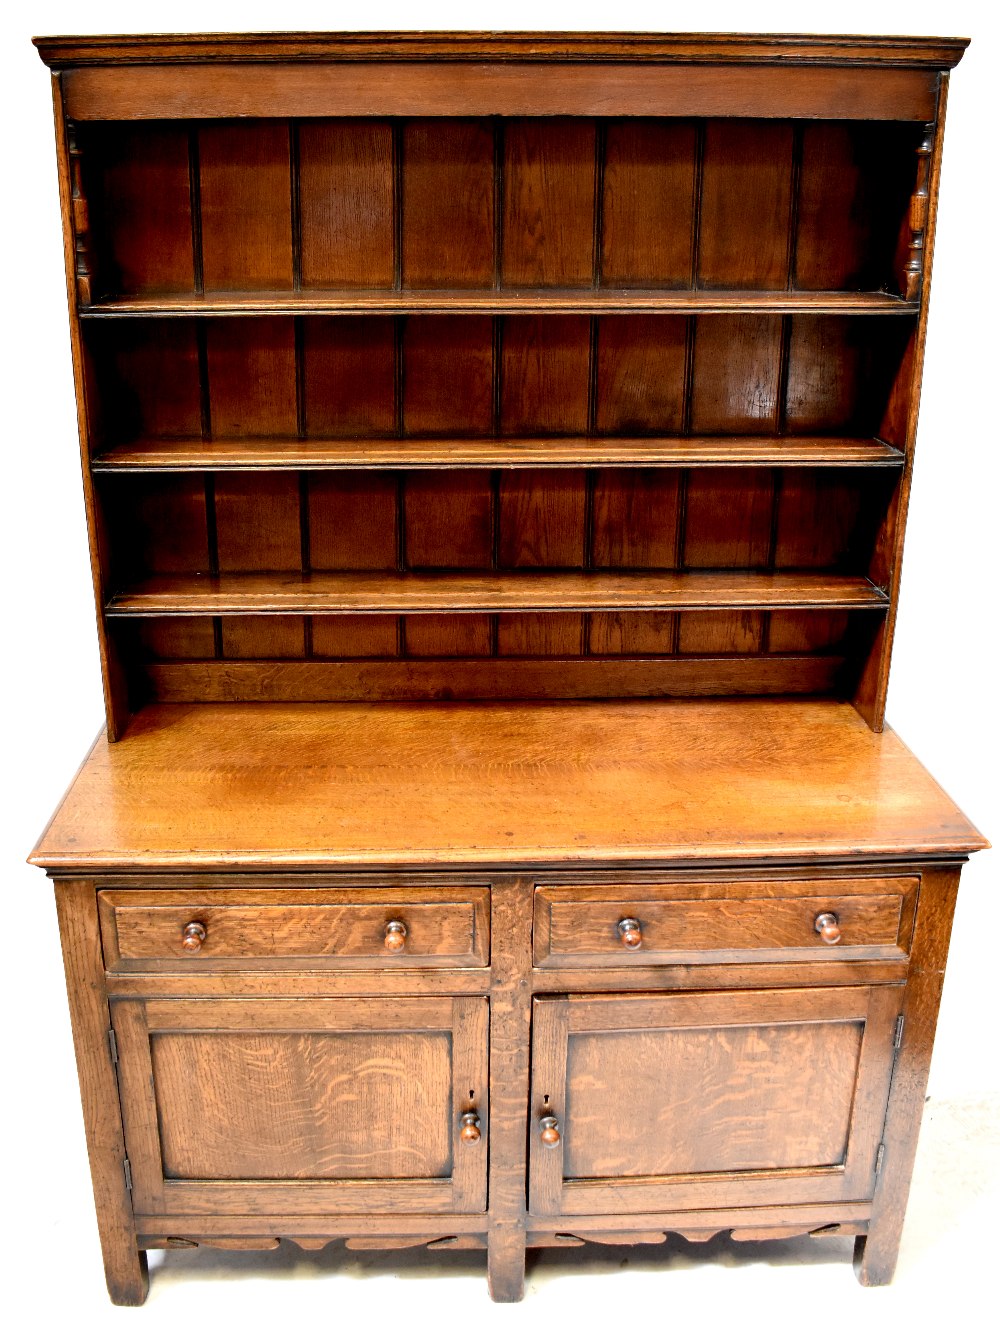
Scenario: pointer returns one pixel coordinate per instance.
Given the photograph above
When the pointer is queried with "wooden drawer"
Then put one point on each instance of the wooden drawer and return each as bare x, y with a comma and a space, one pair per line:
748, 921
277, 927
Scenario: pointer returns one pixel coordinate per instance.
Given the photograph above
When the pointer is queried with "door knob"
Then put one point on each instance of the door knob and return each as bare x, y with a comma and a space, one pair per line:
549, 1133
468, 1130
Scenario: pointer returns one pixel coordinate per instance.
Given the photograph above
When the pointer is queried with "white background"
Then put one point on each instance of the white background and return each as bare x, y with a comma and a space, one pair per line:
942, 701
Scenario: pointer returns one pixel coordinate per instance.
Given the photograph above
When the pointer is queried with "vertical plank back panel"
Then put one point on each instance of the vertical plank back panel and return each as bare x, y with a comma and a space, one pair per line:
145, 243
174, 638
720, 632
449, 520
346, 203
545, 378
352, 520
349, 375
263, 638
257, 520
828, 375
246, 205
540, 634
818, 521
158, 525
647, 231
251, 376
745, 204
148, 378
835, 211
728, 519
856, 179
635, 519
806, 631
542, 519
448, 375
548, 219
448, 221
440, 635
616, 633
358, 636
737, 375
641, 365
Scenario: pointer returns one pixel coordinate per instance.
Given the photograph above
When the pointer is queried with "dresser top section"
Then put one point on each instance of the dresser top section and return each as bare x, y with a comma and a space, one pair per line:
241, 787
615, 47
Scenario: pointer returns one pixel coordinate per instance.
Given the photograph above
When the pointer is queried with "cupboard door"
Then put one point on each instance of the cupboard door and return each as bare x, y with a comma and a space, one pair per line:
643, 1102
304, 1106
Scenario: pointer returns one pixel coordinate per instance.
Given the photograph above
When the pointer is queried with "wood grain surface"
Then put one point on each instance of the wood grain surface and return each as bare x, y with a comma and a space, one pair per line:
415, 592
444, 927
499, 784
508, 301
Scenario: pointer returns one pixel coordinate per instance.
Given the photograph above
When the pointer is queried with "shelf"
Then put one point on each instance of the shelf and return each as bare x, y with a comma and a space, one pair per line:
535, 591
259, 453
503, 301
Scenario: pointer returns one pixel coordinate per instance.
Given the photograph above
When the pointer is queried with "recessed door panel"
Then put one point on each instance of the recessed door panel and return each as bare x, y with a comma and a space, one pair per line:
683, 1101
270, 1105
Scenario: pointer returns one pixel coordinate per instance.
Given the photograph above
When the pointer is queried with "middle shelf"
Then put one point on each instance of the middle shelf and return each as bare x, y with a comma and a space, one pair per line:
439, 592
290, 453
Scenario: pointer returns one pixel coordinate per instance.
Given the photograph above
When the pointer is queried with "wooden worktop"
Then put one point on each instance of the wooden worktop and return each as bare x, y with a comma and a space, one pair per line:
310, 786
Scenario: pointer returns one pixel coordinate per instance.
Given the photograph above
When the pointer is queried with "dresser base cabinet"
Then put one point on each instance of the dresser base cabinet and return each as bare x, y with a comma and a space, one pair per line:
390, 1108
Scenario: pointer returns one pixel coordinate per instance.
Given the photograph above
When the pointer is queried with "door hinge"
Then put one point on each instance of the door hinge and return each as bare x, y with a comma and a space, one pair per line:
878, 1162
898, 1038
127, 1167
113, 1047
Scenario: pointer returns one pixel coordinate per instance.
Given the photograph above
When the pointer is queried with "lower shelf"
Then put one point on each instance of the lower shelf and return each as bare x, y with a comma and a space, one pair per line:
451, 592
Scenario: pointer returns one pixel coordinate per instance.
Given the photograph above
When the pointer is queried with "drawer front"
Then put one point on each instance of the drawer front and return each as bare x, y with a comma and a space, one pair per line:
593, 925
446, 927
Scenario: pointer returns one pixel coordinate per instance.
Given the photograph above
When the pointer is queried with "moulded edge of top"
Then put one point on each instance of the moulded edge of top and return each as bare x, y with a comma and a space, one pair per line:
60, 52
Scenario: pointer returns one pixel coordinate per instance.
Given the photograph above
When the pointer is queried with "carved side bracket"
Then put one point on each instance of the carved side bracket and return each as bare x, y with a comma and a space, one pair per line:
80, 219
913, 270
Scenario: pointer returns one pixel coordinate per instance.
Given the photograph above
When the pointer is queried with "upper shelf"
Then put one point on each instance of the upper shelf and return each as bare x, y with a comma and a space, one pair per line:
463, 592
256, 453
588, 301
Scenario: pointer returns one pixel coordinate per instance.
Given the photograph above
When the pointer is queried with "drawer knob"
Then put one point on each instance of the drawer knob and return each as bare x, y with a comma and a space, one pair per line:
193, 936
549, 1133
630, 932
827, 927
469, 1127
395, 936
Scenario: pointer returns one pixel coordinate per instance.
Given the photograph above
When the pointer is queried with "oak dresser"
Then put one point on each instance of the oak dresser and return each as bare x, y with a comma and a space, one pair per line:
496, 451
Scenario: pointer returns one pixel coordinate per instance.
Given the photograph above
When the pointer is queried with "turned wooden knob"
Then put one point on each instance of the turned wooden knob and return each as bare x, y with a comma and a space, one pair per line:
827, 927
469, 1127
549, 1133
395, 936
630, 932
193, 936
